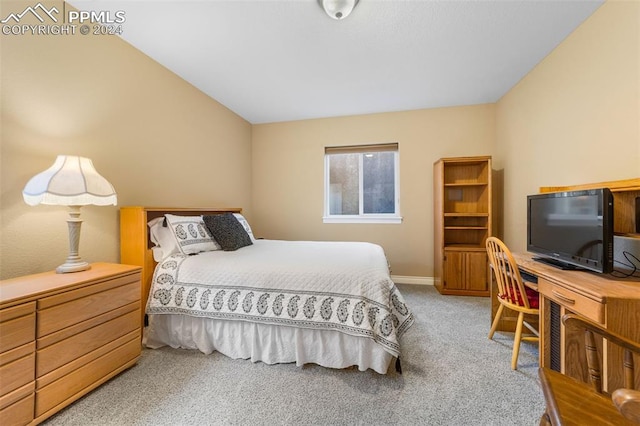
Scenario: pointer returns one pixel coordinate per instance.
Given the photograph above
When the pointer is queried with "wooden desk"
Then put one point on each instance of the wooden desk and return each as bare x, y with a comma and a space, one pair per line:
602, 298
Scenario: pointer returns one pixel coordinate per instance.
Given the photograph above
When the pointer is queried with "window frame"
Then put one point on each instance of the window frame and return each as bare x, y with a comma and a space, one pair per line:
361, 150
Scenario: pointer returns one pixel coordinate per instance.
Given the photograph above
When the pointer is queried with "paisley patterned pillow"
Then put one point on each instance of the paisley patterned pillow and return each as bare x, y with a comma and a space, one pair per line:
191, 234
227, 231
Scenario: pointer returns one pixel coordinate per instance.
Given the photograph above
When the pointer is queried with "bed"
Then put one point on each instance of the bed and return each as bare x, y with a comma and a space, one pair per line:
328, 303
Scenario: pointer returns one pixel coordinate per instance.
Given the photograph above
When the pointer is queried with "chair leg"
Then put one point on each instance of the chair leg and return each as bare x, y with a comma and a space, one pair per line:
496, 320
516, 342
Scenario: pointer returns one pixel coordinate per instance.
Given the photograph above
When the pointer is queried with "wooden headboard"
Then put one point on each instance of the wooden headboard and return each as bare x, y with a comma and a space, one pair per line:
135, 245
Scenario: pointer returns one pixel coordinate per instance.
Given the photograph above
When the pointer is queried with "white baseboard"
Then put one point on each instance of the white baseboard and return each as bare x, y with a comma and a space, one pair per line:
403, 279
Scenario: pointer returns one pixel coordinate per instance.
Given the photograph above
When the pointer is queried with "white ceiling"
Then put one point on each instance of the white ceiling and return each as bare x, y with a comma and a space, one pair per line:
272, 61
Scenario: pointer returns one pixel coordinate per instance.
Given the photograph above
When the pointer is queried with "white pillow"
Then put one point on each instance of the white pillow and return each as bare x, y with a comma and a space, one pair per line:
163, 238
245, 225
191, 234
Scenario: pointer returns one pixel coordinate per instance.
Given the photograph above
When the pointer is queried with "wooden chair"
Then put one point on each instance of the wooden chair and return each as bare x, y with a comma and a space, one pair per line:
571, 402
510, 294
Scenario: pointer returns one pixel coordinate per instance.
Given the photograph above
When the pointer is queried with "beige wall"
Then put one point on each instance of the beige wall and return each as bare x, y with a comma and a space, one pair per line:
156, 138
575, 118
288, 173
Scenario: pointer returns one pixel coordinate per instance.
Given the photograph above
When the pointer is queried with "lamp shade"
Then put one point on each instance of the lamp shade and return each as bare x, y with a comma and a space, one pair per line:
70, 181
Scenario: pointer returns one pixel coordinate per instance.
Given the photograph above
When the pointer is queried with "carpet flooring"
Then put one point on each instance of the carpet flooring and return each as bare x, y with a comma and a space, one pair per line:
452, 375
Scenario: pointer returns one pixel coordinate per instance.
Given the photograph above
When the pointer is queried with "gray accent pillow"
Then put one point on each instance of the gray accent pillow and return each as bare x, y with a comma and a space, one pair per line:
227, 231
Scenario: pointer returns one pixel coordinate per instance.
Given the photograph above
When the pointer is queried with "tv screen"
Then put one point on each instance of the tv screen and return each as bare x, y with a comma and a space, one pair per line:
572, 229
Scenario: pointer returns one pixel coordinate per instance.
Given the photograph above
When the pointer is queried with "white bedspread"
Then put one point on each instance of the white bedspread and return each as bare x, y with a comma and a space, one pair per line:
342, 286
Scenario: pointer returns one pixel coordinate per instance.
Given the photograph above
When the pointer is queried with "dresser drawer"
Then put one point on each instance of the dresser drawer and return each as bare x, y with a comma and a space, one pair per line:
592, 309
83, 379
82, 304
15, 353
17, 326
16, 395
18, 413
17, 373
65, 351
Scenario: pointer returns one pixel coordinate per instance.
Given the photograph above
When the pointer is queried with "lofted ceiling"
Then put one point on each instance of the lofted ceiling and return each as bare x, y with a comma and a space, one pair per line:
271, 61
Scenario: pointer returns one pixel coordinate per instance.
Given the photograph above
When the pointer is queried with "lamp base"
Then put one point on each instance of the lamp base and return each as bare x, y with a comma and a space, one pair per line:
76, 266
74, 262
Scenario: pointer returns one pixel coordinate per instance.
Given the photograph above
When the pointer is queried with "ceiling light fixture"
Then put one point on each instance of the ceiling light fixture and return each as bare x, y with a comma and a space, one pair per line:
338, 9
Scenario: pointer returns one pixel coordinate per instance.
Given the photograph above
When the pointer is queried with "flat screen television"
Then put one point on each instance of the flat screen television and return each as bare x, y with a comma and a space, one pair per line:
573, 229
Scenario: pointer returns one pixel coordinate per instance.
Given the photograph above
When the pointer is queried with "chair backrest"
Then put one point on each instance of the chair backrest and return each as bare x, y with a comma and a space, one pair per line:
626, 399
505, 269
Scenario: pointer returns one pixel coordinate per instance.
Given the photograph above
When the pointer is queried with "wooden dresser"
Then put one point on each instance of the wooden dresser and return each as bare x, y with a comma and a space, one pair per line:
62, 335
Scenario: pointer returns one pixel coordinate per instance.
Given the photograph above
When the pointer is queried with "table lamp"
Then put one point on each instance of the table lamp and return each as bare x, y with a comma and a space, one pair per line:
71, 181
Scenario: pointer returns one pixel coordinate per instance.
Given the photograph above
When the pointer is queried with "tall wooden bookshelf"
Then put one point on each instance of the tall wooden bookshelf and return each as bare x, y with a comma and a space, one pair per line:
462, 222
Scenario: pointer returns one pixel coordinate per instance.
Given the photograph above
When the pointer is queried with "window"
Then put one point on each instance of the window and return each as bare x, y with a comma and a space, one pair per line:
362, 184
